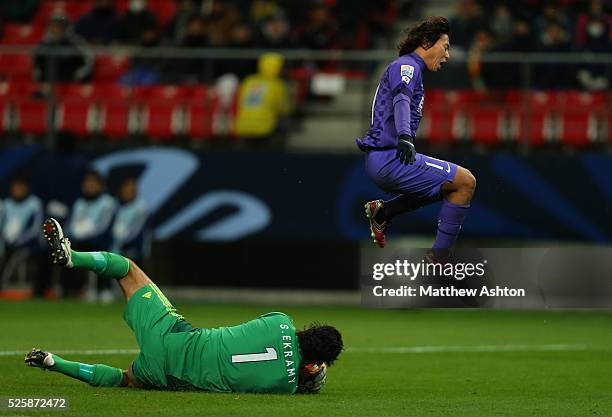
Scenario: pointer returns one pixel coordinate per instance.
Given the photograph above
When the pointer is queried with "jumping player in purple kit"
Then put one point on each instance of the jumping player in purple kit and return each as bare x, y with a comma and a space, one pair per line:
391, 159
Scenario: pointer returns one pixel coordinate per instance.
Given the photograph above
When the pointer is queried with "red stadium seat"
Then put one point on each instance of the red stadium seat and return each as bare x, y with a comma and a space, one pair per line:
8, 92
32, 116
161, 109
116, 116
110, 68
121, 6
161, 92
17, 34
76, 109
12, 94
438, 126
544, 100
579, 126
486, 124
76, 115
514, 97
5, 113
608, 123
16, 67
12, 90
531, 115
435, 98
585, 100
164, 10
534, 127
463, 97
199, 113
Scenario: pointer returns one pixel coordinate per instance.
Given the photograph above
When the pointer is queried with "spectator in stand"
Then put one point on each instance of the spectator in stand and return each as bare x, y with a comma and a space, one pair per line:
508, 75
275, 33
521, 39
145, 70
502, 23
98, 26
179, 25
129, 231
262, 10
363, 25
227, 30
263, 100
76, 66
481, 44
191, 70
594, 29
320, 31
468, 19
23, 213
594, 34
137, 21
224, 18
551, 14
241, 37
196, 33
89, 227
555, 38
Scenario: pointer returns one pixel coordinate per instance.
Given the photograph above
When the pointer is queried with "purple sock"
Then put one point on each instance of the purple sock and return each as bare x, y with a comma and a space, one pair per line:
449, 224
405, 203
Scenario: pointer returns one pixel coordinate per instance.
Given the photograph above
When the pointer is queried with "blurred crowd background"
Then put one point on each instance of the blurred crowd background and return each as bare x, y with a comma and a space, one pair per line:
238, 82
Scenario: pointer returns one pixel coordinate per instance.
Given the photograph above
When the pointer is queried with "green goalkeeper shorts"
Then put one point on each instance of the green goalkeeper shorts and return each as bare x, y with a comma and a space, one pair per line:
152, 317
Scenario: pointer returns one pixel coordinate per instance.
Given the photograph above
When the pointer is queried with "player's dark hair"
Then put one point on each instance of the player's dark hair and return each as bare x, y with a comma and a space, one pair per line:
320, 343
425, 33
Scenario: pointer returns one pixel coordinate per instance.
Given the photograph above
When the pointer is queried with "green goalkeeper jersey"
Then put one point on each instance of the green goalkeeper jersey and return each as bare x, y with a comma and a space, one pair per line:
261, 355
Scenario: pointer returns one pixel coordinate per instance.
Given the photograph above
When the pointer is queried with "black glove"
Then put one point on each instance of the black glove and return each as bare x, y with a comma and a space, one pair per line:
405, 150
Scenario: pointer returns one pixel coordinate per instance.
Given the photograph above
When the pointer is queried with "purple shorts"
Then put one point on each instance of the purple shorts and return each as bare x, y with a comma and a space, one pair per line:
421, 179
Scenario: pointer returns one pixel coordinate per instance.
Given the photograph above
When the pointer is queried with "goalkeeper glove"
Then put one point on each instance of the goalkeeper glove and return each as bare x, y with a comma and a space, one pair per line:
316, 381
405, 150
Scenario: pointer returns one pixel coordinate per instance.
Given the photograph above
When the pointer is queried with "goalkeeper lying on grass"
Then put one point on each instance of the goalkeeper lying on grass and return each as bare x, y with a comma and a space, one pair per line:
262, 355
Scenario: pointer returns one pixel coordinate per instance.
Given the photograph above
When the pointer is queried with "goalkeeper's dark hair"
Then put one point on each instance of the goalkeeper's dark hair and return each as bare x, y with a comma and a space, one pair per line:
425, 33
320, 343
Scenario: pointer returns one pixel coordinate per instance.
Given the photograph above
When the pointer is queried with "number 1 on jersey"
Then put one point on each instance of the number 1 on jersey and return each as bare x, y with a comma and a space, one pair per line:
270, 355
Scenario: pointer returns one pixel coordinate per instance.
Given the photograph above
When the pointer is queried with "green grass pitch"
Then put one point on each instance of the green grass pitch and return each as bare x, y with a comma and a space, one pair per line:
555, 363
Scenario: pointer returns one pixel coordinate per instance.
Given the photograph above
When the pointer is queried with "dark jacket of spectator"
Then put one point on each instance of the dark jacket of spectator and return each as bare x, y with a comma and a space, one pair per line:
193, 69
99, 24
320, 31
137, 20
468, 20
275, 33
179, 24
76, 65
555, 38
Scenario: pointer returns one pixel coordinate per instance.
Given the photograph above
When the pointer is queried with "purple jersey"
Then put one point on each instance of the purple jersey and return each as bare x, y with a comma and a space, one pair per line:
398, 103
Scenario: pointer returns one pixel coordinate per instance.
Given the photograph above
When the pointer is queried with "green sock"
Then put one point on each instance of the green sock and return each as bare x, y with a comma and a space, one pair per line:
97, 375
105, 264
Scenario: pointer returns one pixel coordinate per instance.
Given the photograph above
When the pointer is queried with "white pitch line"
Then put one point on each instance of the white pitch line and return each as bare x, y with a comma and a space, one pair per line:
397, 349
86, 352
476, 348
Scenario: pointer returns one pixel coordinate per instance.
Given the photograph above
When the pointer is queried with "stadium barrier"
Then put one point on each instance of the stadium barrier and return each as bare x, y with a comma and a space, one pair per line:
297, 222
